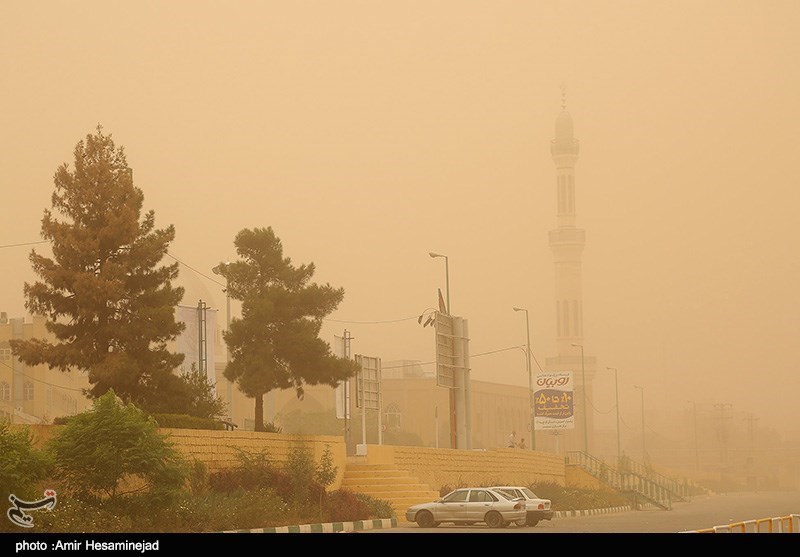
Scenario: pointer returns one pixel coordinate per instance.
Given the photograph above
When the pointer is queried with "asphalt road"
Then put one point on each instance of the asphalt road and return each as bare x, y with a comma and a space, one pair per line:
701, 512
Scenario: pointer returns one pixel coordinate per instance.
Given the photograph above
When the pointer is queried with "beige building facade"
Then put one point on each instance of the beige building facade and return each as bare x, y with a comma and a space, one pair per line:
35, 394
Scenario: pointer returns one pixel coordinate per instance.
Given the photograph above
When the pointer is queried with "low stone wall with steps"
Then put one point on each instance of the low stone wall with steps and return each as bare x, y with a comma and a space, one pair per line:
457, 467
219, 449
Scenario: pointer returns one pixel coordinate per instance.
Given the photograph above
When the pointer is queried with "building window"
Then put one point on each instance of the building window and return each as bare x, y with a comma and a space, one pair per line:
28, 390
5, 391
5, 354
392, 417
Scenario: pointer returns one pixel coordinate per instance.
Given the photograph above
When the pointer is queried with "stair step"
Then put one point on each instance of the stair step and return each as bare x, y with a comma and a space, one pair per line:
385, 482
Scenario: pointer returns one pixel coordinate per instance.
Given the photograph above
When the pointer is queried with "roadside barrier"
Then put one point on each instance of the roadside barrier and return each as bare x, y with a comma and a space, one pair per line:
789, 524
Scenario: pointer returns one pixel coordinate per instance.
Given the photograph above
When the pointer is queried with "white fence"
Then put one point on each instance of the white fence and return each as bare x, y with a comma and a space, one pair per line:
789, 524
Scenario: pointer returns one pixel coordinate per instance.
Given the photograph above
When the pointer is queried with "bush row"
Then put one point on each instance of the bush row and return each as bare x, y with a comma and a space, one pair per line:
114, 472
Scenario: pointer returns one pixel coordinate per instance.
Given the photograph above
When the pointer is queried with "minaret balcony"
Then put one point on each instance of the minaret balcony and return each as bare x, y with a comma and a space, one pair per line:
563, 236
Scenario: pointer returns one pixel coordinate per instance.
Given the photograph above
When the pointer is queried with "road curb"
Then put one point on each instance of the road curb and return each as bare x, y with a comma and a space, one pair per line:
361, 525
590, 512
323, 528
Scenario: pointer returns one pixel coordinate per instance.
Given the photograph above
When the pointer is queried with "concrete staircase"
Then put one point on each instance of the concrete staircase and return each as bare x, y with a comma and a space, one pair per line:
384, 481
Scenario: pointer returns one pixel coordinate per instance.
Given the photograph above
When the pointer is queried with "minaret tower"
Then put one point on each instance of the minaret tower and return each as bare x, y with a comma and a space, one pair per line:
567, 242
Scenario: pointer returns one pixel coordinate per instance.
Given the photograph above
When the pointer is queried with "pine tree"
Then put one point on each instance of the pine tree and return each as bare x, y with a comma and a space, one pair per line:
110, 306
276, 344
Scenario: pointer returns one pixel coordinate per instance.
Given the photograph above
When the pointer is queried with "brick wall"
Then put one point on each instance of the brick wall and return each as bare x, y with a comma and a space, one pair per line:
219, 449
455, 467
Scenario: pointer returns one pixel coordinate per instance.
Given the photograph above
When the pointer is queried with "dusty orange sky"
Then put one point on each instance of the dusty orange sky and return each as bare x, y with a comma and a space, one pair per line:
368, 133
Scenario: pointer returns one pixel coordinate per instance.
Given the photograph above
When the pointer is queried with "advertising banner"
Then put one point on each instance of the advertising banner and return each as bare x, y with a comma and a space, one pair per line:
553, 400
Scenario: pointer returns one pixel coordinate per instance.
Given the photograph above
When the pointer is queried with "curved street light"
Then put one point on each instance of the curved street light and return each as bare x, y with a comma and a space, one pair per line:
447, 276
616, 393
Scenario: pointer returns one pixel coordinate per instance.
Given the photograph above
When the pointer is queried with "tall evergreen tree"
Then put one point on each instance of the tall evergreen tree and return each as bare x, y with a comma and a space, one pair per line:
110, 306
276, 344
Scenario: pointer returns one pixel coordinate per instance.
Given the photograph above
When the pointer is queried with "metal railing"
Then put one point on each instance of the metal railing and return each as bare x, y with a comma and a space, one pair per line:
680, 491
642, 488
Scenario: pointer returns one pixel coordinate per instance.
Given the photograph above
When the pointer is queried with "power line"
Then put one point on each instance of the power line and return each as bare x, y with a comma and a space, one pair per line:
373, 322
25, 244
196, 271
45, 382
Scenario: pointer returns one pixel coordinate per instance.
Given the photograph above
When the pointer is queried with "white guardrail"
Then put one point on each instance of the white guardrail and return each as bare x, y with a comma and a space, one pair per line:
789, 524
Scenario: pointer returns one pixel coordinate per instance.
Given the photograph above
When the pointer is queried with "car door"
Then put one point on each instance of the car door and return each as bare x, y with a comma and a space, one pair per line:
480, 502
453, 506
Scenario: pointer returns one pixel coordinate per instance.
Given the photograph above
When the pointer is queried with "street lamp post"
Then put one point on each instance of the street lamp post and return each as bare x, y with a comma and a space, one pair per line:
453, 432
447, 276
644, 453
696, 448
218, 270
532, 408
583, 383
616, 393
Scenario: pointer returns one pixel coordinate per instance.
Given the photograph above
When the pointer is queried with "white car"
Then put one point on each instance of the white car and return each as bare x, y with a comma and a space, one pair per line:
536, 508
468, 506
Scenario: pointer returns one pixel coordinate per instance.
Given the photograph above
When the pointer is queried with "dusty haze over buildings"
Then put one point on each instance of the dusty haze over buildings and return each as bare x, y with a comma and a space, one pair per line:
368, 134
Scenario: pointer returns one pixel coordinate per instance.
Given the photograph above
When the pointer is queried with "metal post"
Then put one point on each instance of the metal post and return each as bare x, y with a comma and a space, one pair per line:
696, 448
447, 282
644, 452
229, 389
531, 406
616, 393
583, 382
452, 412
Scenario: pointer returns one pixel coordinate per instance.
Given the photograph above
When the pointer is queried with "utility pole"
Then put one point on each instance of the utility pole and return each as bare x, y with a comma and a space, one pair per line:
347, 338
750, 469
722, 431
696, 447
644, 452
616, 395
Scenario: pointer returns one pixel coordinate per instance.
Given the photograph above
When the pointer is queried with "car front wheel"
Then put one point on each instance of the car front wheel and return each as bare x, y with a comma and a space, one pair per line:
425, 520
494, 520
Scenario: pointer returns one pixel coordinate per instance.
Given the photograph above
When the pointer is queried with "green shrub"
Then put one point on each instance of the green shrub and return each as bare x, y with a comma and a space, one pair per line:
115, 449
253, 471
21, 465
378, 508
270, 427
300, 473
570, 498
198, 478
345, 506
212, 512
185, 421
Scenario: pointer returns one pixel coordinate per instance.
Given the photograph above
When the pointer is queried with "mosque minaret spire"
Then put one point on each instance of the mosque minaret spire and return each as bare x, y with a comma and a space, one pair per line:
567, 242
